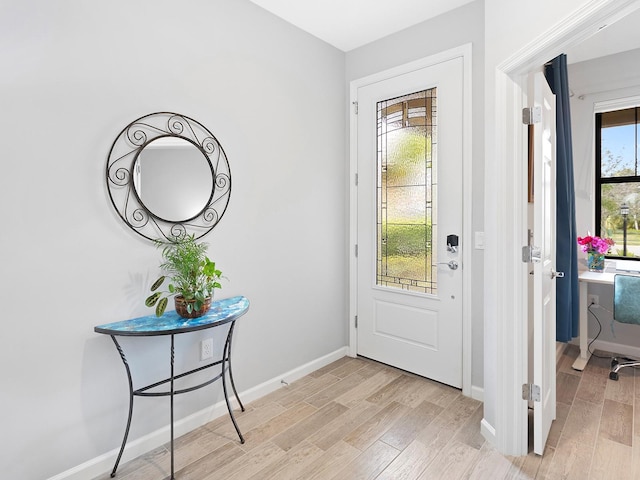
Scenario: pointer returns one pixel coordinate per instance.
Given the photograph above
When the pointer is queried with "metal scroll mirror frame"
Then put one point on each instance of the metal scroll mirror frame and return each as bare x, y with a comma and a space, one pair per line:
168, 177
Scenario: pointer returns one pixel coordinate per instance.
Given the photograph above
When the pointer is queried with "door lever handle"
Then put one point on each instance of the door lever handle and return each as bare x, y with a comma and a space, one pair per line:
453, 265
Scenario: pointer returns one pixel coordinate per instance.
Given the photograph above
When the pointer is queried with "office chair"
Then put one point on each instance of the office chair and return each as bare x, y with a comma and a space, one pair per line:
626, 309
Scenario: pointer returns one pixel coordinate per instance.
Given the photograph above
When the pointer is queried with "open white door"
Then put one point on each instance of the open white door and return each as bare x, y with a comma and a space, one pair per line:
542, 100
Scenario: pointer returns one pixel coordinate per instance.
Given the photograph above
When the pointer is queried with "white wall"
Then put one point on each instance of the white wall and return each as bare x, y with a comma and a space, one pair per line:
73, 75
605, 79
446, 31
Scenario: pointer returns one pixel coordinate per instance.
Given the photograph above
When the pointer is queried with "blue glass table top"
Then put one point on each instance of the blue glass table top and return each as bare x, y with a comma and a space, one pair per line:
221, 311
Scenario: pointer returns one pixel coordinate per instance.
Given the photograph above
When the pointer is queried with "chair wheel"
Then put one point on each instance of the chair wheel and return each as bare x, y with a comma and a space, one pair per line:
613, 375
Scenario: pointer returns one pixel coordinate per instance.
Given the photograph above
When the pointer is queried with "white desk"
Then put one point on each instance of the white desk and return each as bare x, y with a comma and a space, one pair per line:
585, 278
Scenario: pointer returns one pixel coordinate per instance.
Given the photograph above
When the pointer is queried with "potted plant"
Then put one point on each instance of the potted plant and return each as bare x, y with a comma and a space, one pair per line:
193, 278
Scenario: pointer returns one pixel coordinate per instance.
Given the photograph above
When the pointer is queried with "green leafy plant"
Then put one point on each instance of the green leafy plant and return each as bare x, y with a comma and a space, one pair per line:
191, 273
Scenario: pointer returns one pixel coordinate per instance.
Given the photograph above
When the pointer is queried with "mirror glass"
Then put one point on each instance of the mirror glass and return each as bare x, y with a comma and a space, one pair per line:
173, 178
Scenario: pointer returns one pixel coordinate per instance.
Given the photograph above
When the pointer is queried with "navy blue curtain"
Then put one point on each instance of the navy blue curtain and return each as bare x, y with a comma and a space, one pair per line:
567, 289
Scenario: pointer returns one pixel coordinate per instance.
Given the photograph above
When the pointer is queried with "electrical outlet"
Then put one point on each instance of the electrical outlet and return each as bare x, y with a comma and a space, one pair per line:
593, 300
206, 349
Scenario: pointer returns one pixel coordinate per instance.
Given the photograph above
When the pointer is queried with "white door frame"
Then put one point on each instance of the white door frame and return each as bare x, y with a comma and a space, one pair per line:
464, 52
505, 190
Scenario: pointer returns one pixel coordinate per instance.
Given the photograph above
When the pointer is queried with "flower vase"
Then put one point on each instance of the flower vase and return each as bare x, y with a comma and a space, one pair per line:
595, 262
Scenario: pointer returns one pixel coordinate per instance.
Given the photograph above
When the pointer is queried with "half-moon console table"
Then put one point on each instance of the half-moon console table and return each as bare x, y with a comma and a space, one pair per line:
222, 312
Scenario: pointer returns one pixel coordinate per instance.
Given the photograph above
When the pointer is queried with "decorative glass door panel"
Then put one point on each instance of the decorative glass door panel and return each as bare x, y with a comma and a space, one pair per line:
406, 192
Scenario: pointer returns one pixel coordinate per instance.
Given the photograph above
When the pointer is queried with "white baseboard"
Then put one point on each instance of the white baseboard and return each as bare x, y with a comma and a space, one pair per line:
104, 463
488, 432
477, 393
630, 350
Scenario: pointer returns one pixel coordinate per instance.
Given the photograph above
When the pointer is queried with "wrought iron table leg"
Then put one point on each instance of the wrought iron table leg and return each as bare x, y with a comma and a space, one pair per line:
225, 357
233, 384
172, 392
126, 431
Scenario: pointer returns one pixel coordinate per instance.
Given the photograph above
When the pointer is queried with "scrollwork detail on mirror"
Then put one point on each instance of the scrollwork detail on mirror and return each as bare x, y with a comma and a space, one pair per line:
168, 176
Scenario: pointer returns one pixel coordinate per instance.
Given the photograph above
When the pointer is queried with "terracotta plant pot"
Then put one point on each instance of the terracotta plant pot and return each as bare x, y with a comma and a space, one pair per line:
181, 307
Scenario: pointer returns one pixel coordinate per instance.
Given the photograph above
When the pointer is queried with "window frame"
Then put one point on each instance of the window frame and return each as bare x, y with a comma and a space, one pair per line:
599, 181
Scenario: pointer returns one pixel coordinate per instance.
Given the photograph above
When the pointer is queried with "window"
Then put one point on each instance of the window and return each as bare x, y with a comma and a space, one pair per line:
406, 158
618, 180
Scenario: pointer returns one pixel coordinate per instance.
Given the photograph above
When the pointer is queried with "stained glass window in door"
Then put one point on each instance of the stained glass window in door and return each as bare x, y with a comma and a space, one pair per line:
406, 192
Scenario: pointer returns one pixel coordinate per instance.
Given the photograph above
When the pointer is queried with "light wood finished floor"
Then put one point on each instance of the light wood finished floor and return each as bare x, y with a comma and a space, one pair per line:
357, 419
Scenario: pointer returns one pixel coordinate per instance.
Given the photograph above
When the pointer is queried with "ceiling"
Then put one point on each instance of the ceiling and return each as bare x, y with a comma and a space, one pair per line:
619, 37
349, 24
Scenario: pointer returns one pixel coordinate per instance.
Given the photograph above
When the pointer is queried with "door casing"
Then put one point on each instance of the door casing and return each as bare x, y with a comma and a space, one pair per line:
463, 52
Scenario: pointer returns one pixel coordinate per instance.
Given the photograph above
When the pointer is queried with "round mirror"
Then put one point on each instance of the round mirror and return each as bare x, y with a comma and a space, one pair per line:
168, 177
173, 179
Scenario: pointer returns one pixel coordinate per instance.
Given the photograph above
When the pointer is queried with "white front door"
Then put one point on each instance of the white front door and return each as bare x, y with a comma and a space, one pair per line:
544, 237
409, 227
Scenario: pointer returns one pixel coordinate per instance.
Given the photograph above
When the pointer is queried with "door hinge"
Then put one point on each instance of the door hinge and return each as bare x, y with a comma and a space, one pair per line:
531, 115
356, 321
531, 254
531, 392
356, 180
356, 249
355, 107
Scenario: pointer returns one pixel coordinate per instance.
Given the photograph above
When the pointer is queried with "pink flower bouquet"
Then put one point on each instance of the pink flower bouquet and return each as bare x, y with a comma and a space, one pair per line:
595, 244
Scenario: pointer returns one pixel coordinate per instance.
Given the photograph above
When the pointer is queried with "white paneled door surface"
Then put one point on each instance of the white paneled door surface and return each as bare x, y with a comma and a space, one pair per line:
409, 227
544, 238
